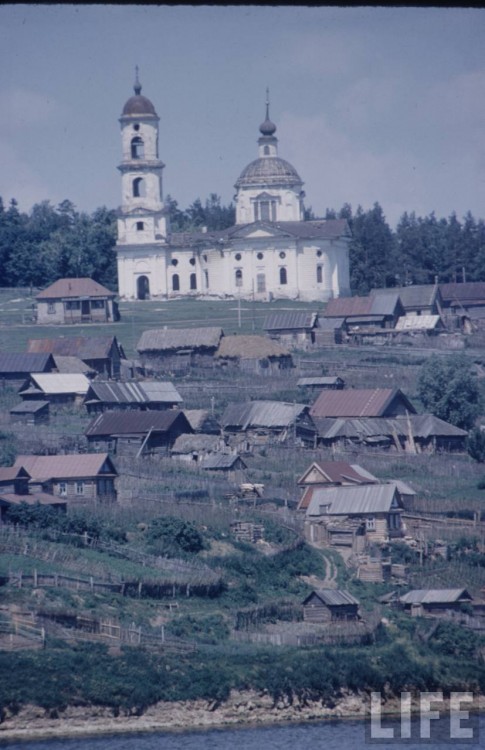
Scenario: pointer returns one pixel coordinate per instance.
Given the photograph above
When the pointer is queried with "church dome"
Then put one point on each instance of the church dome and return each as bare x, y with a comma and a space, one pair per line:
268, 171
138, 104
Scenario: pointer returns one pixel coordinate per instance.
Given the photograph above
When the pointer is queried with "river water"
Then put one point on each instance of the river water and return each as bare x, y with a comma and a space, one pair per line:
328, 735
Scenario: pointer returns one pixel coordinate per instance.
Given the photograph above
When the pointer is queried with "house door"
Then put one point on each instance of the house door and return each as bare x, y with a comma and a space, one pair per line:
142, 288
85, 308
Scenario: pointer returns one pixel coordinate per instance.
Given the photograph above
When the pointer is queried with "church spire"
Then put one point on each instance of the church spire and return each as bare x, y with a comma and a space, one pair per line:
137, 86
267, 127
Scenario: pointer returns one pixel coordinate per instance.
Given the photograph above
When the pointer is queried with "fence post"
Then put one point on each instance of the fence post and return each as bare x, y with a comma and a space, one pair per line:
35, 577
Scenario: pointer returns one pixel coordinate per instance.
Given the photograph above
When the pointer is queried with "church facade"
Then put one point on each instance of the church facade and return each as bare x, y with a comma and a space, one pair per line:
270, 253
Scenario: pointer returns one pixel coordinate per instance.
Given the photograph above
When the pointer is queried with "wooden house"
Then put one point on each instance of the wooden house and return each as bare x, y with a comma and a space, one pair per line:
202, 420
193, 448
295, 330
366, 402
30, 413
133, 433
459, 298
329, 605
76, 300
178, 349
254, 423
434, 602
101, 353
331, 474
55, 388
321, 383
145, 395
416, 299
229, 465
366, 314
15, 368
429, 325
253, 354
75, 477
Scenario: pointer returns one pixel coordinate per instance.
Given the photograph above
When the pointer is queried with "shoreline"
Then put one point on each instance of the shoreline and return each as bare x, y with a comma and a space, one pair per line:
242, 710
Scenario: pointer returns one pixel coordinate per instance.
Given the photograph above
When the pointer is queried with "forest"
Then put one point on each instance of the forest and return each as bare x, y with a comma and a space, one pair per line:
52, 242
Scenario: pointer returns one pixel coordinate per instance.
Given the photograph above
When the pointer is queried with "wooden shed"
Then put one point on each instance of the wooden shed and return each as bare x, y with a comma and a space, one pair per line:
327, 605
30, 412
253, 354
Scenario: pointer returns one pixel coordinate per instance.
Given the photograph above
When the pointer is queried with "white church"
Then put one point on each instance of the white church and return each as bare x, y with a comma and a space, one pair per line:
270, 253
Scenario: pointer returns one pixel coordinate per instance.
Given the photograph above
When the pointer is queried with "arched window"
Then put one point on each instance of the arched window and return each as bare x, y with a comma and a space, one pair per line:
142, 288
239, 277
175, 283
319, 274
283, 276
137, 148
140, 226
193, 281
266, 150
138, 187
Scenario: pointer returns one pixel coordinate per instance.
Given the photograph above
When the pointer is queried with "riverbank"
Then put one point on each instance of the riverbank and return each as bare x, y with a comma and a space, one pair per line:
243, 708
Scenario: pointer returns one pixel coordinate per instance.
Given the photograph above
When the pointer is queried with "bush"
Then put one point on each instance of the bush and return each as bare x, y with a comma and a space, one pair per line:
170, 535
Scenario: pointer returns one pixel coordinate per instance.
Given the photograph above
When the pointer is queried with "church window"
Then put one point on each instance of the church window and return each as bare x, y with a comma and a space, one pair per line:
260, 256
319, 274
136, 126
283, 276
192, 261
264, 207
138, 187
319, 253
266, 150
239, 277
137, 148
175, 282
260, 283
193, 281
238, 256
174, 262
282, 255
140, 226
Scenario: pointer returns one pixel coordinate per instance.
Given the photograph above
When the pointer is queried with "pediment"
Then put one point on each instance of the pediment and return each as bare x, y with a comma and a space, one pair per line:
258, 229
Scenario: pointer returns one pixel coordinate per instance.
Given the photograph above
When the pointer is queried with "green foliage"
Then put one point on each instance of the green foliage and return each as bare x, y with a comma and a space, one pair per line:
476, 445
8, 449
211, 629
45, 517
448, 389
170, 535
449, 638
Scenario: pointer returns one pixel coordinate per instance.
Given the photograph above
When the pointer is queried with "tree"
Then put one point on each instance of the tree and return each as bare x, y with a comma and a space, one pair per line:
476, 445
372, 251
448, 388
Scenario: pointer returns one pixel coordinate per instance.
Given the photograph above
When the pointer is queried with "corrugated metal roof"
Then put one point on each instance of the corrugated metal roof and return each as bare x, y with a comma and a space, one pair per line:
417, 323
71, 466
132, 392
356, 402
84, 347
249, 347
342, 307
434, 596
334, 597
261, 414
67, 288
299, 320
53, 383
165, 339
427, 425
136, 422
25, 362
385, 304
362, 499
413, 296
29, 407
9, 473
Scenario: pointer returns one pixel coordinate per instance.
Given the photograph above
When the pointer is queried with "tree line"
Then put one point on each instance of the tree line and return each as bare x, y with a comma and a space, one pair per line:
52, 242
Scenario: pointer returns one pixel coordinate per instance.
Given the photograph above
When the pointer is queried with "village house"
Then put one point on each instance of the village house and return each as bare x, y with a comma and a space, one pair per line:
229, 465
428, 325
366, 315
356, 402
137, 433
77, 478
178, 349
331, 474
16, 368
193, 448
253, 354
459, 298
416, 299
146, 395
203, 420
30, 413
101, 353
72, 365
373, 510
15, 491
295, 330
247, 425
328, 605
55, 388
76, 301
330, 331
434, 602
321, 383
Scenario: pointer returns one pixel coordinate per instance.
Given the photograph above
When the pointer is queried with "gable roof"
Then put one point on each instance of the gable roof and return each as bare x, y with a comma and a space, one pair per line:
351, 307
339, 472
74, 287
418, 323
413, 296
136, 422
84, 347
435, 596
333, 597
188, 443
133, 392
69, 364
168, 339
348, 501
71, 466
26, 362
356, 402
221, 461
261, 414
423, 426
9, 473
249, 347
299, 320
471, 291
29, 407
53, 383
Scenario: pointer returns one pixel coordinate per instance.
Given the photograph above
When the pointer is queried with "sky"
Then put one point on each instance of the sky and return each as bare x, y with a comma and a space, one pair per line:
372, 104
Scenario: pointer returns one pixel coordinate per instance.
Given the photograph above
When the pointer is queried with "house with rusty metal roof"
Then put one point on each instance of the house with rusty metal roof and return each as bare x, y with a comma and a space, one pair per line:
145, 395
15, 367
77, 478
364, 313
76, 300
178, 349
295, 329
249, 424
137, 433
327, 605
362, 402
434, 602
254, 354
331, 474
101, 353
55, 388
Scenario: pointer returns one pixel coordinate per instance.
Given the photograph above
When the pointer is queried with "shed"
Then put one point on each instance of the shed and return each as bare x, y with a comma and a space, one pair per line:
434, 602
326, 605
462, 297
259, 422
294, 329
9, 500
30, 412
145, 395
320, 383
76, 300
254, 354
230, 465
178, 349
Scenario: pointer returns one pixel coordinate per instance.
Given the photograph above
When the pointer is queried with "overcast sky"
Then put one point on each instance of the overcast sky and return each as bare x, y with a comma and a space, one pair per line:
371, 103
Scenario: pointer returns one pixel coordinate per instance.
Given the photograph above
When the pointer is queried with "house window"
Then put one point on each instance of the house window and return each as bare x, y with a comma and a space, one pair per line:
73, 305
139, 190
79, 488
62, 488
283, 276
140, 226
175, 282
260, 283
137, 148
370, 523
239, 277
319, 274
51, 307
193, 281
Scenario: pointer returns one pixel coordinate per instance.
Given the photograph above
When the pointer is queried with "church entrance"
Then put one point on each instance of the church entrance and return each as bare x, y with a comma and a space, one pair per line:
142, 288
